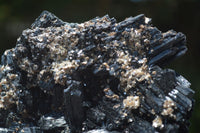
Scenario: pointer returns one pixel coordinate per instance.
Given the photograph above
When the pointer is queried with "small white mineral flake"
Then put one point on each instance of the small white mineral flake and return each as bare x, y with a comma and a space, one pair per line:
168, 107
131, 102
157, 122
147, 20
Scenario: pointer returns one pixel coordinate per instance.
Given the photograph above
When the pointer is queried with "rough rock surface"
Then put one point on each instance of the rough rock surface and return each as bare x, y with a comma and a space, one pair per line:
99, 76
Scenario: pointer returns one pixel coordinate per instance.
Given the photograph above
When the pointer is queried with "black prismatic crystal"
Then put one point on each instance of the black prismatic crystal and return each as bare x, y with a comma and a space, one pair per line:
99, 76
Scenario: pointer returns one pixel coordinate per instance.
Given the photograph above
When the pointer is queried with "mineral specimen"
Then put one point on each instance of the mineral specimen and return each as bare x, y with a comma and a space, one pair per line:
95, 77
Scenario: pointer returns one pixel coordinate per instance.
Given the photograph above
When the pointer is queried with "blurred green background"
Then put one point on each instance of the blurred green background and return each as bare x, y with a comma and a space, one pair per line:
180, 15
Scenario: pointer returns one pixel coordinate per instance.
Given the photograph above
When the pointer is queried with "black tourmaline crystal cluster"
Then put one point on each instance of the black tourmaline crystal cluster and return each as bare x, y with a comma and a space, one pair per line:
100, 76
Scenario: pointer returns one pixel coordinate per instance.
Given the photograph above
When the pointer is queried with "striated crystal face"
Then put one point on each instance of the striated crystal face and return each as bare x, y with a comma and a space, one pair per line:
97, 76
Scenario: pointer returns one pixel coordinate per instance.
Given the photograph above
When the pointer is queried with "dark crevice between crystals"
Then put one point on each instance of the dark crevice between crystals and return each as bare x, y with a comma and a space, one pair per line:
84, 93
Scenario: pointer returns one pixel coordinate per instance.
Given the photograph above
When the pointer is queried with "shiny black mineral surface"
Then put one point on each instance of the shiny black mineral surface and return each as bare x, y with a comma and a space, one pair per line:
100, 76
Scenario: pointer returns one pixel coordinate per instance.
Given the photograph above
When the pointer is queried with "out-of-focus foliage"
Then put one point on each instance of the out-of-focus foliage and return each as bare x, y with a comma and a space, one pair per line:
180, 15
